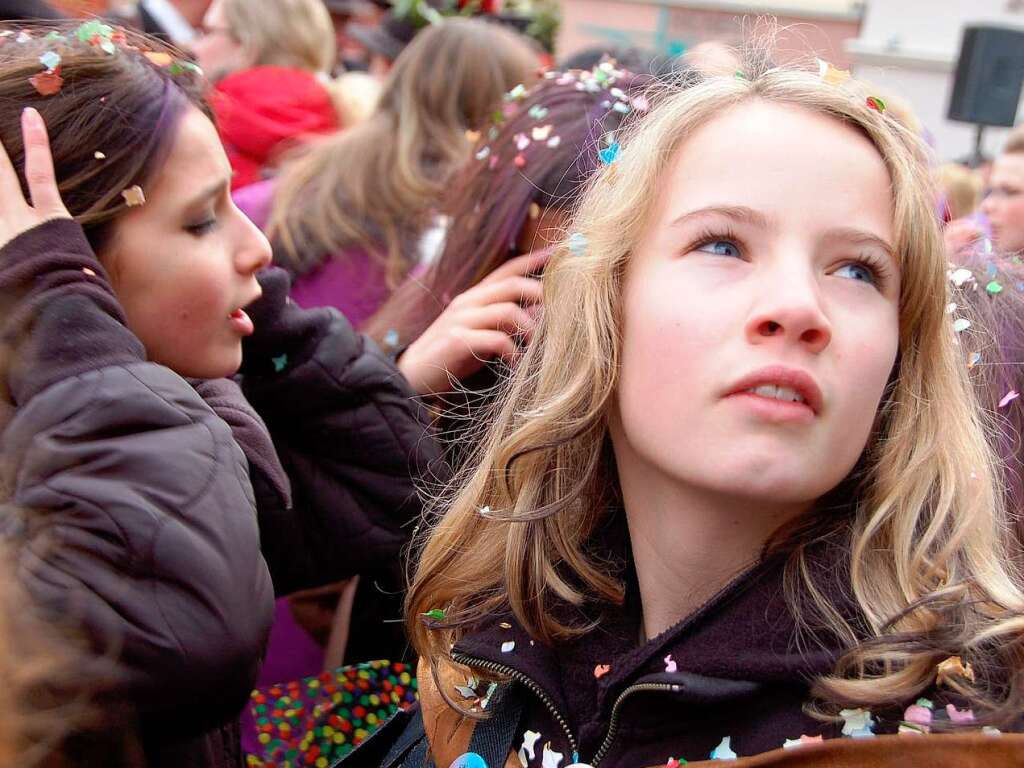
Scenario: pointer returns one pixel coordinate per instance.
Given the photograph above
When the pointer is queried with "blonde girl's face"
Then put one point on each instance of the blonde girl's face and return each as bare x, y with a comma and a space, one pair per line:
760, 309
216, 49
183, 265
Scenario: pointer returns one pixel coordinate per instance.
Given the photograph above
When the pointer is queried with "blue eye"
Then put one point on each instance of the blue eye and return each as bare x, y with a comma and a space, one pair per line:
857, 272
719, 248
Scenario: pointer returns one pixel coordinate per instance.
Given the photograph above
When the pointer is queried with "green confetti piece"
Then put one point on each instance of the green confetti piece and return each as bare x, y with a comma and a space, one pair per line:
436, 614
90, 30
994, 287
280, 363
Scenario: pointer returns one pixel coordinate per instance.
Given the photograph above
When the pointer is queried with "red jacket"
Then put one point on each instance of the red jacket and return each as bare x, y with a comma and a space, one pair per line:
265, 110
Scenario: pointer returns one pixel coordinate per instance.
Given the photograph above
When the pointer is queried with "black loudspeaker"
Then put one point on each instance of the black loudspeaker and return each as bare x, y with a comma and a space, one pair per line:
988, 76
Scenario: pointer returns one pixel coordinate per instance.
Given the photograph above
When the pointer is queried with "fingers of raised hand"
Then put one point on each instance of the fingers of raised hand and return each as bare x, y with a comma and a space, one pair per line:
507, 317
522, 290
481, 347
521, 265
39, 173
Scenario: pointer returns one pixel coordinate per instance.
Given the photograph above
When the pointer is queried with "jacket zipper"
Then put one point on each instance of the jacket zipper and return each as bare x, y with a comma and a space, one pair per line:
613, 722
519, 677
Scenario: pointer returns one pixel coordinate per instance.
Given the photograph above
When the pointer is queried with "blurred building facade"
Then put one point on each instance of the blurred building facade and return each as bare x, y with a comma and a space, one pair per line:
910, 47
907, 48
670, 27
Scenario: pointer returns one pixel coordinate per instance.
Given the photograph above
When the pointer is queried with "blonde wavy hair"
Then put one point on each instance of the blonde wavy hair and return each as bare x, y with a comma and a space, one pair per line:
284, 33
375, 185
926, 529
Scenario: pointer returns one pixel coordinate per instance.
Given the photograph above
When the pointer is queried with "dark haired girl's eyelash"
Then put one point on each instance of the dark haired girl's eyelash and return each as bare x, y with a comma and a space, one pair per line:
202, 227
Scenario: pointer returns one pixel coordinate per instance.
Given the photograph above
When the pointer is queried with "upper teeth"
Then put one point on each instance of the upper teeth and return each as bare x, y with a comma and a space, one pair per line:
779, 393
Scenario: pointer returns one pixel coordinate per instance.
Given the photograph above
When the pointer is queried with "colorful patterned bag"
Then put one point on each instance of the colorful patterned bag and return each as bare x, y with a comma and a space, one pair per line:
317, 720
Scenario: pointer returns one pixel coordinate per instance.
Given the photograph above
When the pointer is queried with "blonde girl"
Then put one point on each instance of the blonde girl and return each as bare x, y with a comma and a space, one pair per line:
738, 497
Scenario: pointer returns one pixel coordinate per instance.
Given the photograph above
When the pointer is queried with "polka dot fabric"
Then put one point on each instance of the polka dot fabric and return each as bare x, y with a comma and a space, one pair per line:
317, 720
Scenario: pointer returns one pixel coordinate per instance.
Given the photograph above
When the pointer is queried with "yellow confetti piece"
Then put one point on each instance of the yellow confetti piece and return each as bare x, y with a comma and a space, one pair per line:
953, 667
159, 58
134, 196
831, 74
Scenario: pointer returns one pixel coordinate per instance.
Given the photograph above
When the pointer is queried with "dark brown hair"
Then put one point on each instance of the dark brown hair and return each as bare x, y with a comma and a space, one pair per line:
113, 120
491, 197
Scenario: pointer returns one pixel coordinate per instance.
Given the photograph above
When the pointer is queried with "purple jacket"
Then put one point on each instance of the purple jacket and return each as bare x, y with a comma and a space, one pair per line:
147, 517
130, 505
352, 281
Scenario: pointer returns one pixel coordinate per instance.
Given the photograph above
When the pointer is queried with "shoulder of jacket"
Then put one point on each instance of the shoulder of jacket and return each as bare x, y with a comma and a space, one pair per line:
449, 732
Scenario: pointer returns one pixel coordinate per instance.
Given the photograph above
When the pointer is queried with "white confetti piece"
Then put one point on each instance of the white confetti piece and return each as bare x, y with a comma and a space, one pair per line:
527, 752
724, 750
960, 276
551, 759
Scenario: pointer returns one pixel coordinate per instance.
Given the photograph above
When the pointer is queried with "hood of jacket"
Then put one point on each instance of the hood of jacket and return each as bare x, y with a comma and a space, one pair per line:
263, 110
734, 675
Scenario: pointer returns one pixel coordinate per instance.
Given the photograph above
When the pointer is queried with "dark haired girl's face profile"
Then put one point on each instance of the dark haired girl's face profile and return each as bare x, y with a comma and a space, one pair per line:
184, 263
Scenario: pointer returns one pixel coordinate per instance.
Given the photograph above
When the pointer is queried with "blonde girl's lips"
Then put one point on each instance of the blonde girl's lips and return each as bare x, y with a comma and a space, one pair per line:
241, 322
773, 410
779, 393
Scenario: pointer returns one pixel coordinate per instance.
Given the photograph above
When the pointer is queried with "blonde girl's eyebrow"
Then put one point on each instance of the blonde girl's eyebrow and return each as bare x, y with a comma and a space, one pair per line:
854, 236
739, 213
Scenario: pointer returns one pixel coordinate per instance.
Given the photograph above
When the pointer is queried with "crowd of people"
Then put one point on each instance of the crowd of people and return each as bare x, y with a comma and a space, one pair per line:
380, 391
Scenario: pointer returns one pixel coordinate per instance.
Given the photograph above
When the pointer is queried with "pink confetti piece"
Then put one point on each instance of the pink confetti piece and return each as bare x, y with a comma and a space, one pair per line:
1008, 398
959, 716
670, 665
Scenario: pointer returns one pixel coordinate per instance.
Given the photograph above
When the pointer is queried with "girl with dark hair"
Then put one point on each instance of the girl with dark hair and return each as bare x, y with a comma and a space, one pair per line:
512, 198
137, 499
988, 293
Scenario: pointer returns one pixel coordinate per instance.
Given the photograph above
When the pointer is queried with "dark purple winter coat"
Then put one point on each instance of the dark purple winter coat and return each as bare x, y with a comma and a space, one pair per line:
142, 524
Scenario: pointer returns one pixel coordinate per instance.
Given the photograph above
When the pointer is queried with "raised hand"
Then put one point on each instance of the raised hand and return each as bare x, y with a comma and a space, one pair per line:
18, 215
479, 325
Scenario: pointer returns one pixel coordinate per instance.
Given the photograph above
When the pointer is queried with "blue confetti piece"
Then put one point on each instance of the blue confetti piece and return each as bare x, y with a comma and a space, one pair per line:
50, 60
469, 760
391, 338
990, 270
280, 363
610, 153
578, 244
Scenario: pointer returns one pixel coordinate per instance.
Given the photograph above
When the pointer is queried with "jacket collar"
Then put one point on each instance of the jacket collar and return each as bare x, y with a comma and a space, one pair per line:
742, 639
